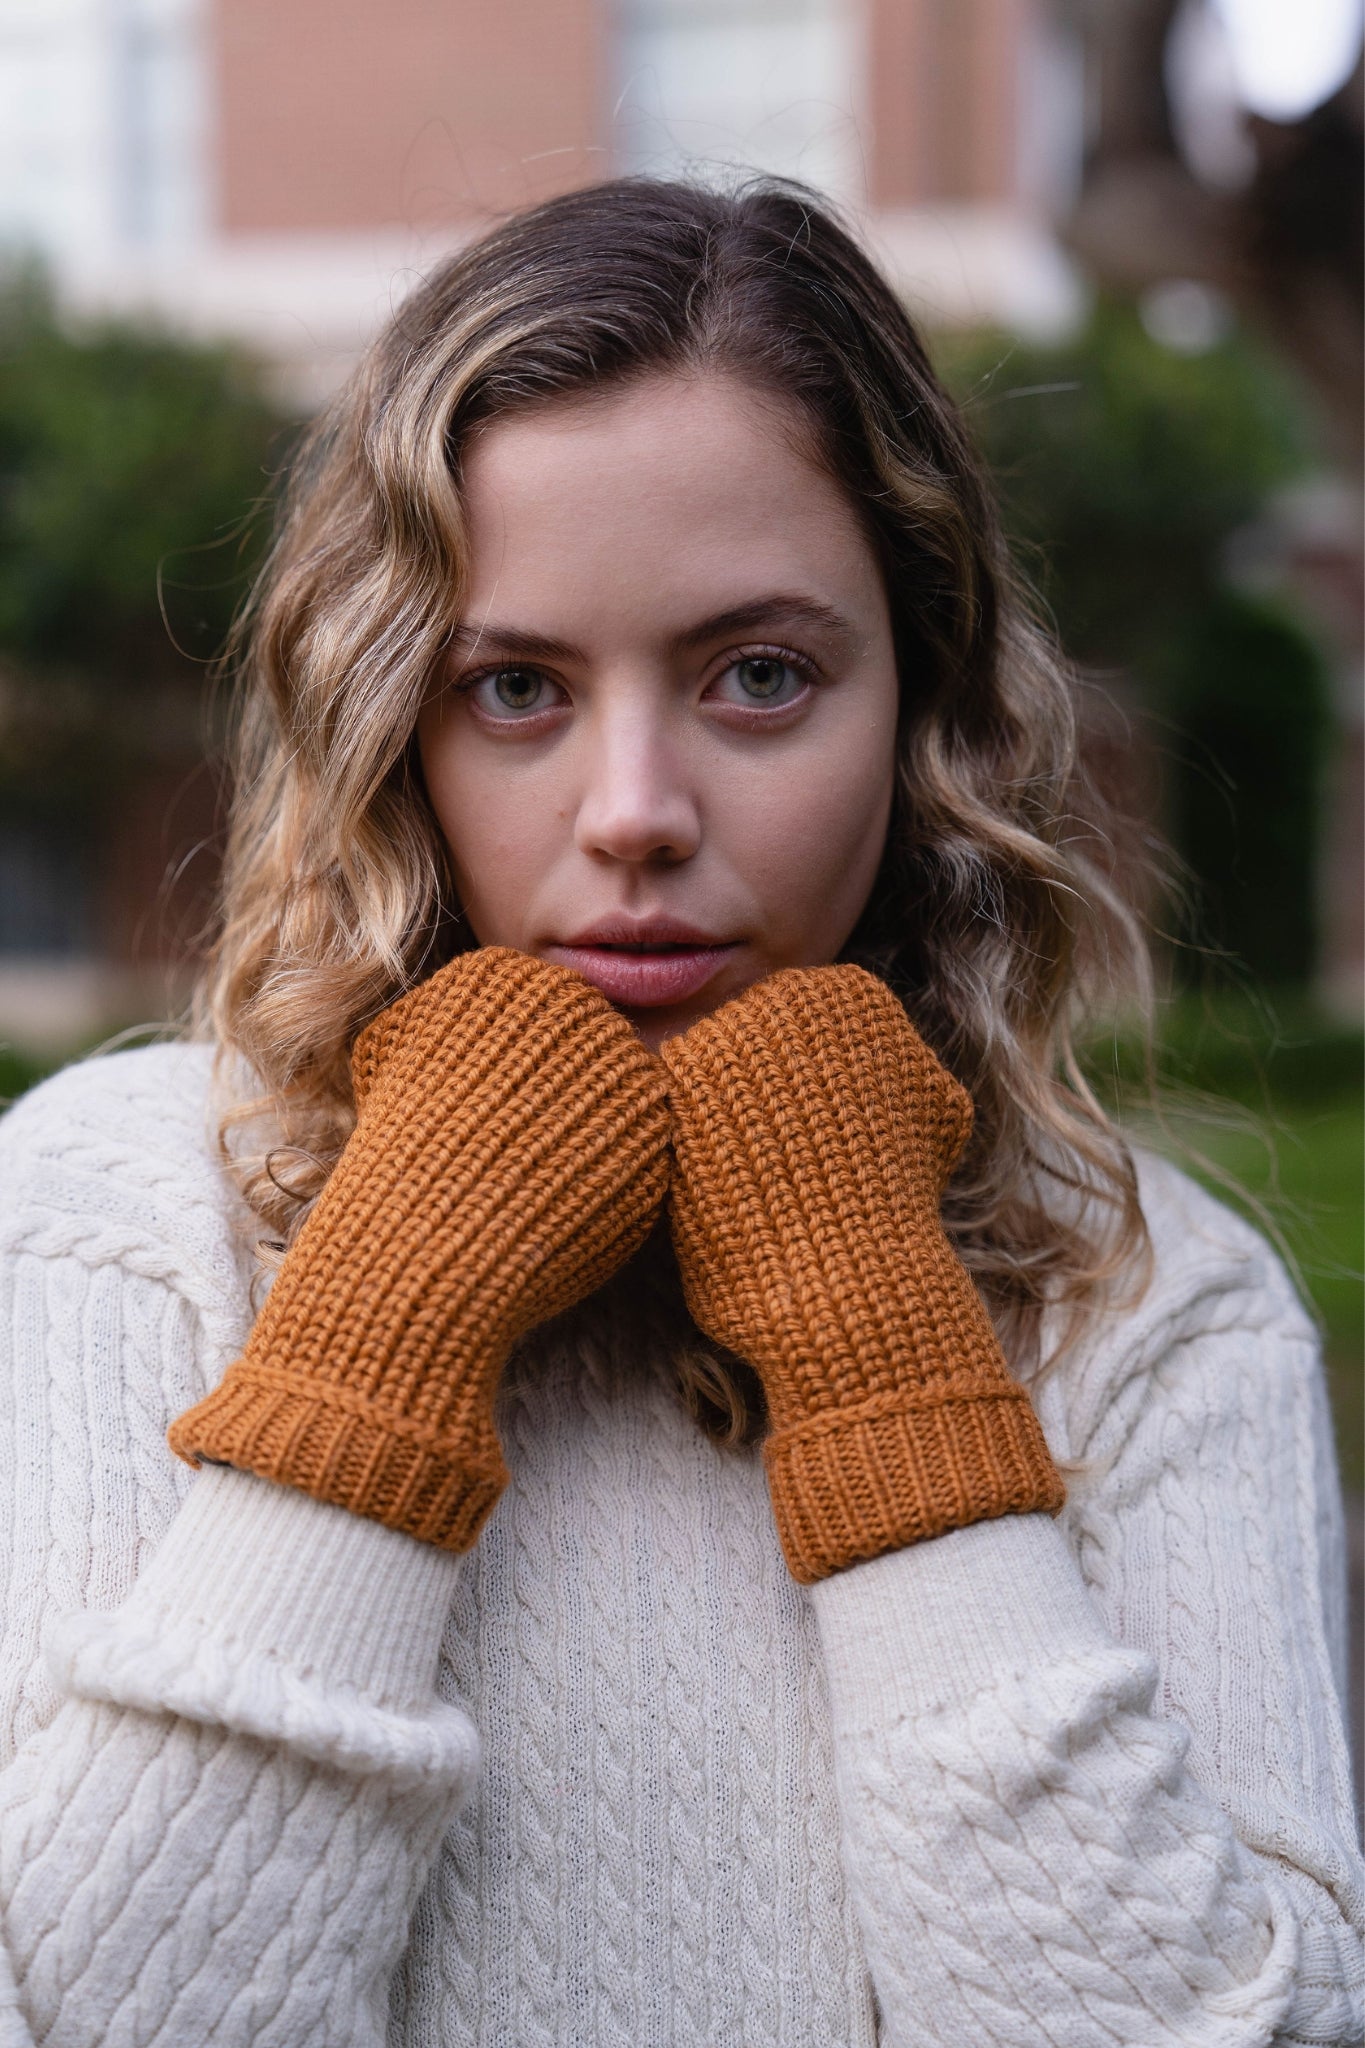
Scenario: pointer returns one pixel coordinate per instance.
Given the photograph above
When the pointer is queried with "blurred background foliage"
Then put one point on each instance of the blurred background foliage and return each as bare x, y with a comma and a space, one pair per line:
1260, 1098
135, 486
136, 474
1128, 472
134, 482
1124, 466
121, 451
1125, 470
135, 478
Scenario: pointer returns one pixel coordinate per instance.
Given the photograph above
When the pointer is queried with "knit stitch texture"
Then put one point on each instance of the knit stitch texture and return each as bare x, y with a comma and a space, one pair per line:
510, 1152
275, 1776
815, 1132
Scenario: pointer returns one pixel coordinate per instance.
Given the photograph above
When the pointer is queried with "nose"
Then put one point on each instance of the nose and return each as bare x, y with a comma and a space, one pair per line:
638, 803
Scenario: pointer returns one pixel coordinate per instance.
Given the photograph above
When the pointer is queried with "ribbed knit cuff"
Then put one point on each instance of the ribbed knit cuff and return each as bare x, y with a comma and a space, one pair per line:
854, 1483
284, 1619
331, 1445
933, 1628
263, 1571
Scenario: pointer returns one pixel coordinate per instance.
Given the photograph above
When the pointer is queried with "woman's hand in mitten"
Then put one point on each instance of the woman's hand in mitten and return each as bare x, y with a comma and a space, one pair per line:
510, 1152
814, 1133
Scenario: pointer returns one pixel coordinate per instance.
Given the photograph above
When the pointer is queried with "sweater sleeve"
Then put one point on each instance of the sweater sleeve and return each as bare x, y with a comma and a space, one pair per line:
222, 1833
1094, 1779
225, 1765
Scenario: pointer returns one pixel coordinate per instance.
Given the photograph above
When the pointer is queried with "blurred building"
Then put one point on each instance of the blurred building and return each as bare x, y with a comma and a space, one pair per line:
278, 168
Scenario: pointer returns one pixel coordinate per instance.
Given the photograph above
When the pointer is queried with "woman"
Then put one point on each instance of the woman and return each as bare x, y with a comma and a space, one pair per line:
653, 930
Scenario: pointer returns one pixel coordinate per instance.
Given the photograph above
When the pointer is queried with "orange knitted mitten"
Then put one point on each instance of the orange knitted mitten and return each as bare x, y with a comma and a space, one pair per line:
814, 1133
510, 1152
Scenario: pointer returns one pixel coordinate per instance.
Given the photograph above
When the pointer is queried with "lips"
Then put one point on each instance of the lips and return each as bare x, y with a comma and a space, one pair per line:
644, 963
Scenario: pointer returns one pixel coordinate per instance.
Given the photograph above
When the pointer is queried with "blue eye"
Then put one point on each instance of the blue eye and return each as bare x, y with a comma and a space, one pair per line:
761, 680
512, 693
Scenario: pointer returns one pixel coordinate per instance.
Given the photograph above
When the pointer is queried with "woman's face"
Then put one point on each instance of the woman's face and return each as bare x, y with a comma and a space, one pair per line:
665, 752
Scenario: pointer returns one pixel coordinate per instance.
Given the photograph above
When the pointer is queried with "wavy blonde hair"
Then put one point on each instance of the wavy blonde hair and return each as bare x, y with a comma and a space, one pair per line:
993, 915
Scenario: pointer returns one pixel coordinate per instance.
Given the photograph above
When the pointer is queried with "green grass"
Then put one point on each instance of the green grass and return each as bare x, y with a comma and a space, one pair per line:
18, 1071
1266, 1105
1304, 1169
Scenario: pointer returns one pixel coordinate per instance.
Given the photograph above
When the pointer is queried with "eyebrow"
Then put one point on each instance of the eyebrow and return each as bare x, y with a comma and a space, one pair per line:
779, 608
782, 608
468, 638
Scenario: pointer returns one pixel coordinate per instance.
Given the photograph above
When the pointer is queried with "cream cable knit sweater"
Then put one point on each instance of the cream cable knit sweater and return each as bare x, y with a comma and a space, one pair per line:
271, 1775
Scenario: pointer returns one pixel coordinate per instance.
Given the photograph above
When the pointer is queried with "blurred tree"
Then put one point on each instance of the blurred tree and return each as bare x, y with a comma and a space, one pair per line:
1249, 692
1286, 247
1124, 468
134, 483
131, 464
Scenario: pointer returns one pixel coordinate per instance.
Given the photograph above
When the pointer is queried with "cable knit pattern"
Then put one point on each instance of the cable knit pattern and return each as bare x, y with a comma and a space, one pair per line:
636, 1889
274, 1774
1108, 1885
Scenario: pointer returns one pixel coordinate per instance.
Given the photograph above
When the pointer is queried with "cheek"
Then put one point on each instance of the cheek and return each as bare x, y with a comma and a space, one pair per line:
811, 837
496, 830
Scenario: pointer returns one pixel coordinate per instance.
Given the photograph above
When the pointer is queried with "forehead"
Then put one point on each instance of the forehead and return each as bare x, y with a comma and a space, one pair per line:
672, 491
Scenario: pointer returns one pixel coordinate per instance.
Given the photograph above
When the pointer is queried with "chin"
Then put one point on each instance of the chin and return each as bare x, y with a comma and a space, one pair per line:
654, 1026
655, 1023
